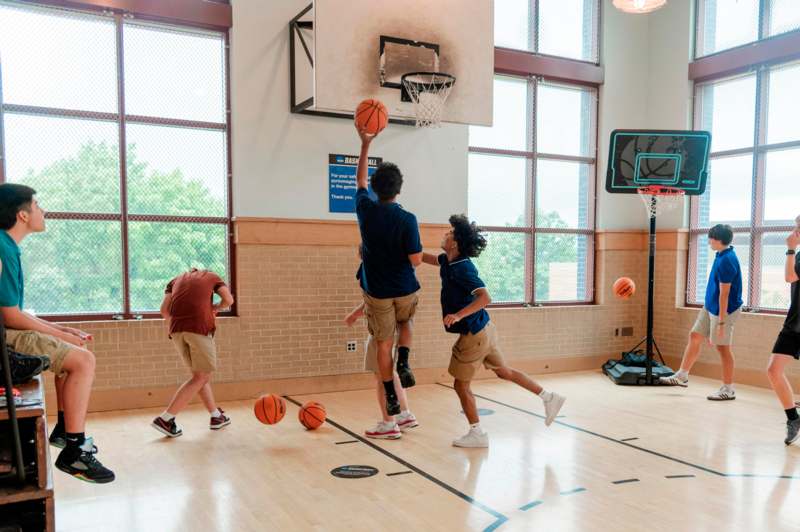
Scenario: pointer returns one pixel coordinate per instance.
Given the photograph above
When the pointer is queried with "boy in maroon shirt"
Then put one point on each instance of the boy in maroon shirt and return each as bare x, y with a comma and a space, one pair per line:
191, 315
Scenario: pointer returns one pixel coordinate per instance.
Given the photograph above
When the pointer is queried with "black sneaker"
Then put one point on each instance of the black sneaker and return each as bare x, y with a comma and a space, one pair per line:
792, 431
392, 405
406, 377
167, 428
59, 439
84, 466
23, 367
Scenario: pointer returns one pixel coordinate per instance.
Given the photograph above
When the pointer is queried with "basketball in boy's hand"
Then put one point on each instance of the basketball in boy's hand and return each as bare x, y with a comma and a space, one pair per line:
269, 409
371, 116
624, 287
312, 415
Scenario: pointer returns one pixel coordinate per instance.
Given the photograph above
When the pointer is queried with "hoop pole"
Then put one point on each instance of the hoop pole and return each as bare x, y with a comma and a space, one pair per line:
651, 268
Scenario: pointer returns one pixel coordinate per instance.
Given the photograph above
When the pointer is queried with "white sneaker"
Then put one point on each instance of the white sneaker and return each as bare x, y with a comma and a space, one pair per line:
723, 394
473, 438
674, 380
406, 421
552, 406
384, 430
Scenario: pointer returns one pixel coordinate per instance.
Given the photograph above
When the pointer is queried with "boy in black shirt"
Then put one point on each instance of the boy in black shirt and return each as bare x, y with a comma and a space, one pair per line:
787, 345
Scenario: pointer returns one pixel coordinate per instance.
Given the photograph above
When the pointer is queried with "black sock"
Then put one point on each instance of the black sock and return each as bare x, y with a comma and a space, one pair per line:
75, 440
60, 424
389, 387
402, 355
791, 414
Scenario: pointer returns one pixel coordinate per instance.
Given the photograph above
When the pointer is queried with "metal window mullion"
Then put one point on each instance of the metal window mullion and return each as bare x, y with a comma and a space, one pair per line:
123, 167
229, 178
530, 241
764, 14
759, 170
533, 20
175, 122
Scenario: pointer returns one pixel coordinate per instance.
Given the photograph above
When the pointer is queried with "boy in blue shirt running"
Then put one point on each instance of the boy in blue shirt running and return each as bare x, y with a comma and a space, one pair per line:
464, 299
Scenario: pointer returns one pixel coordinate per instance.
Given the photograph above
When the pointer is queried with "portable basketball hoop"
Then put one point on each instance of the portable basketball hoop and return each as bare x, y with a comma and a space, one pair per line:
659, 199
662, 167
428, 92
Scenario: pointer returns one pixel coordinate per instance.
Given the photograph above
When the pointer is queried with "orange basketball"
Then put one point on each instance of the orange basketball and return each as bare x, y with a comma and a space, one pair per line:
311, 415
371, 116
624, 287
270, 409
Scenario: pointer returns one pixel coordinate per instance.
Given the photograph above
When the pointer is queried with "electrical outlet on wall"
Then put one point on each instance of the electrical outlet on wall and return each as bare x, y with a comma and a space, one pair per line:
351, 346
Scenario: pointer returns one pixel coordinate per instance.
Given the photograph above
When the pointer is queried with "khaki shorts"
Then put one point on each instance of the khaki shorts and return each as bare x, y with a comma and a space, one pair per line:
383, 315
36, 343
371, 356
706, 326
472, 350
198, 352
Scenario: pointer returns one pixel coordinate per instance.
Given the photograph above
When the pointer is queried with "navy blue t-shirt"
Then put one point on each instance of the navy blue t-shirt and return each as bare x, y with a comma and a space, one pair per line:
726, 269
460, 280
389, 234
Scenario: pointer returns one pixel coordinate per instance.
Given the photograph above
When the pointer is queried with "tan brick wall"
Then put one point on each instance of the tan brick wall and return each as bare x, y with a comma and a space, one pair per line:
292, 299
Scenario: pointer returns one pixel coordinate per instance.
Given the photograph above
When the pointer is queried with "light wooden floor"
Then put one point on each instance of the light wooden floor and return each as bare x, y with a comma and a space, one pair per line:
729, 459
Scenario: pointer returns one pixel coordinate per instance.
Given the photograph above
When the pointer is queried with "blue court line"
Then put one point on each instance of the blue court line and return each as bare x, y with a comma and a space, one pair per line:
570, 492
499, 518
530, 505
632, 446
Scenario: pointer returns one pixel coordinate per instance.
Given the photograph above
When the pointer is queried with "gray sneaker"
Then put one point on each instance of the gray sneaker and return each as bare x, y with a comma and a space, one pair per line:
674, 380
792, 431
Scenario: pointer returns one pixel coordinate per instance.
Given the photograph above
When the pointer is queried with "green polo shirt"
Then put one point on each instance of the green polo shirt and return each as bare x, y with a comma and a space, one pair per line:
11, 283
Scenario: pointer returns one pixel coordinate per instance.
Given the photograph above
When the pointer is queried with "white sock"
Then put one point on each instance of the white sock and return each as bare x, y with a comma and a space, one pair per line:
166, 416
405, 413
216, 413
545, 395
475, 426
682, 374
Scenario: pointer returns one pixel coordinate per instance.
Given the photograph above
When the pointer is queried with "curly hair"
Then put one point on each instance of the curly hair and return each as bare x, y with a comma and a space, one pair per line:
387, 181
467, 235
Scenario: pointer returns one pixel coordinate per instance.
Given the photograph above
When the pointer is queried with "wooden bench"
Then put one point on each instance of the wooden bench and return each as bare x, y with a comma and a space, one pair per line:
33, 426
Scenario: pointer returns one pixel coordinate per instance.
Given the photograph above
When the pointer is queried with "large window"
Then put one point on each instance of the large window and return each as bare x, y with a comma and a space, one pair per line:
531, 186
563, 28
725, 24
122, 128
753, 183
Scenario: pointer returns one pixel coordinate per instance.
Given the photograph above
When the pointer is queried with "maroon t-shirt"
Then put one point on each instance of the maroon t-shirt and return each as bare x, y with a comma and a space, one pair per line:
191, 307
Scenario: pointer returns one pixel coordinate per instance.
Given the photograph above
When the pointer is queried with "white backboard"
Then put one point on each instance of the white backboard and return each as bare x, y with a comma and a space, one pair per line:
347, 53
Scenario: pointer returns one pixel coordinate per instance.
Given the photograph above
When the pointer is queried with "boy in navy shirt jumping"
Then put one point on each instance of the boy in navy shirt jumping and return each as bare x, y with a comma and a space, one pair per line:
464, 298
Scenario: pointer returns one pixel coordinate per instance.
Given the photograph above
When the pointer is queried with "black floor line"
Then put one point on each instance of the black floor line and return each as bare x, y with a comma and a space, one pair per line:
680, 476
343, 442
625, 481
499, 518
631, 446
628, 439
399, 473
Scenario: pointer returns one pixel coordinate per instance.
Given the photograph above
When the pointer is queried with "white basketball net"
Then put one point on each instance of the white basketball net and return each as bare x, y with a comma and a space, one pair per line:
428, 92
660, 199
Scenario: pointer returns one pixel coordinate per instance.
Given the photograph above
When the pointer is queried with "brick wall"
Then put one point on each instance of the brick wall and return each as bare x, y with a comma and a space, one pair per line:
292, 298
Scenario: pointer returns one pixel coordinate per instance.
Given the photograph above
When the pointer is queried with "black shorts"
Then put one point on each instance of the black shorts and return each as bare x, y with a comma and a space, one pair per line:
788, 343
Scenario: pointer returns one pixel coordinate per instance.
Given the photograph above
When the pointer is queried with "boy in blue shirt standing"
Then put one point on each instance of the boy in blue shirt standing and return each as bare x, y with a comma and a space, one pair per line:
718, 316
464, 298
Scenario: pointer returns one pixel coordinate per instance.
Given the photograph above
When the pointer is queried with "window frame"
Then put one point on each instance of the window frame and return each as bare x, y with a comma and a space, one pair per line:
121, 119
532, 156
757, 229
533, 36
